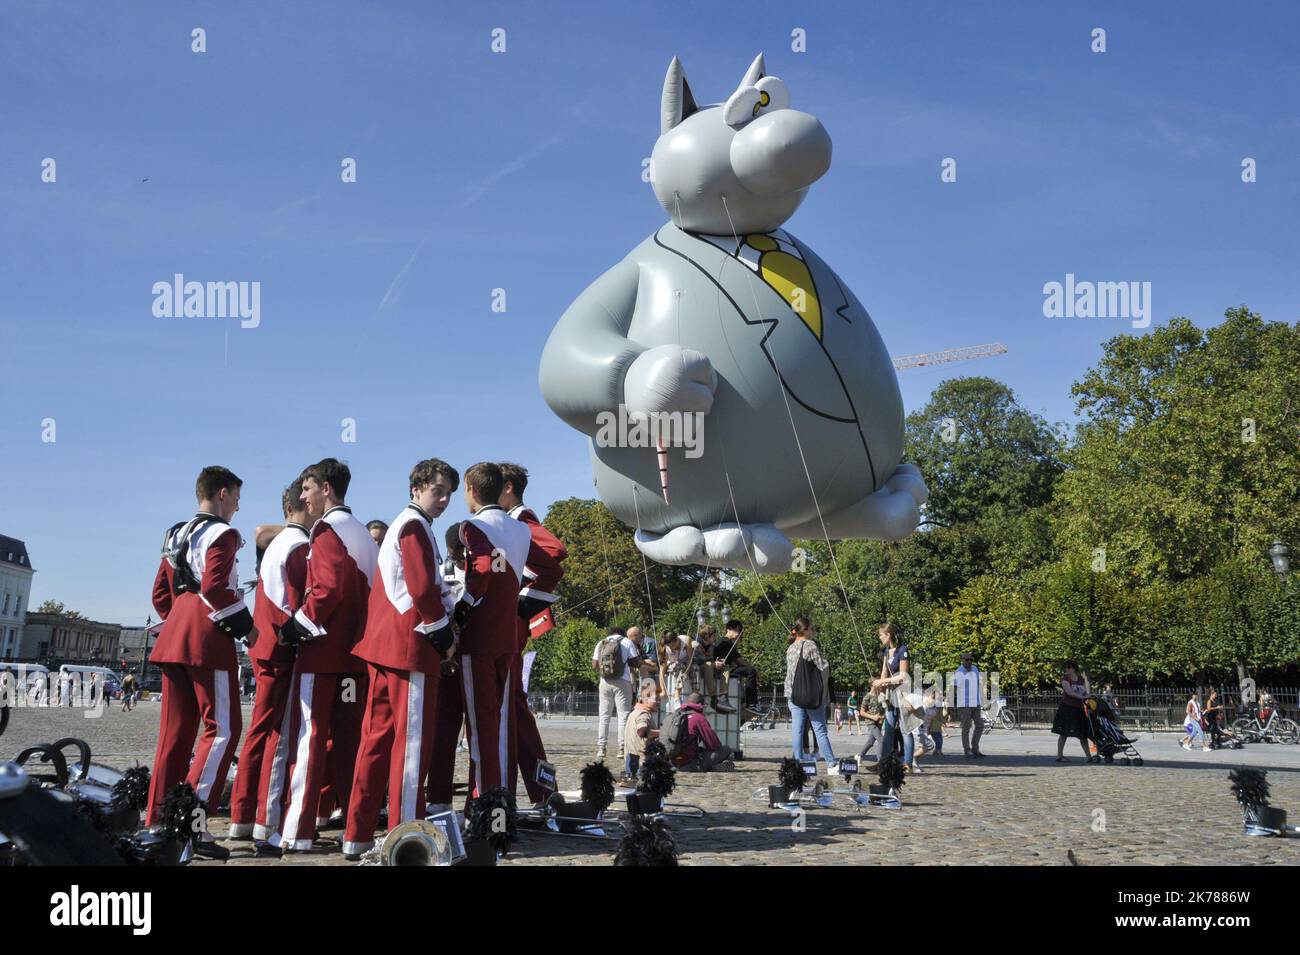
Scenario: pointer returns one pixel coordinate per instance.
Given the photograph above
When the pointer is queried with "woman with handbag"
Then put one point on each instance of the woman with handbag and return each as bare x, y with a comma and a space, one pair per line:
1071, 715
807, 674
896, 681
1211, 717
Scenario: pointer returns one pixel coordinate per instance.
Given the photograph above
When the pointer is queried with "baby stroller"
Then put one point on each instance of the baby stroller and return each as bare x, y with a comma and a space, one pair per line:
1107, 735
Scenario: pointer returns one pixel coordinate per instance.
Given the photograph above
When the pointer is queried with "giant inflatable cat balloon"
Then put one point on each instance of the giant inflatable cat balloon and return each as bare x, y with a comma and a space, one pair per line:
727, 319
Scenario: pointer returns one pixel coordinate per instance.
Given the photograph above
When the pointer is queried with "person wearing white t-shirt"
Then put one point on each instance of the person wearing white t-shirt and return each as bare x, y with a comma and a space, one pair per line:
676, 656
614, 659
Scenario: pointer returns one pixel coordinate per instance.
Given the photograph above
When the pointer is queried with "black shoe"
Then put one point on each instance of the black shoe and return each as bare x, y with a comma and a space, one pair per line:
211, 850
977, 754
264, 850
723, 707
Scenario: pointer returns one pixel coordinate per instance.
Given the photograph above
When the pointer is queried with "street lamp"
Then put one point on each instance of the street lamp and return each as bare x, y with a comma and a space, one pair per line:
1280, 555
715, 606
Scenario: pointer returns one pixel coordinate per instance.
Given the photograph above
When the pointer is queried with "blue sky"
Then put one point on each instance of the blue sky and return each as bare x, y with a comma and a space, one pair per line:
522, 171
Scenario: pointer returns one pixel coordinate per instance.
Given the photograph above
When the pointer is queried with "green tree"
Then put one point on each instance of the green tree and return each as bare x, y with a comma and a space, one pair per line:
979, 449
1191, 450
56, 607
564, 656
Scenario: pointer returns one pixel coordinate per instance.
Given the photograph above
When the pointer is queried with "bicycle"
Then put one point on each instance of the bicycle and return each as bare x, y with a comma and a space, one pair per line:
763, 716
1266, 725
998, 715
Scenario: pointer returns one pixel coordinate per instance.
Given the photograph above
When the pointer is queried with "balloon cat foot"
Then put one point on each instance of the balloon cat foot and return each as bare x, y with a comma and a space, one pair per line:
892, 512
758, 547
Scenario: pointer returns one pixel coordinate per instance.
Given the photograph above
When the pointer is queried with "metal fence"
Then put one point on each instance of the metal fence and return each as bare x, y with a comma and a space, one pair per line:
1151, 708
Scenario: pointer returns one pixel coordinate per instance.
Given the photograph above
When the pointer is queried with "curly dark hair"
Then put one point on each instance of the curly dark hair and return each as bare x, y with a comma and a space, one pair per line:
429, 470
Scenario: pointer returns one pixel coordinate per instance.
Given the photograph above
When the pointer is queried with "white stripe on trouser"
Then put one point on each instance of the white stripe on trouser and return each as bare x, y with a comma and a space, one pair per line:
275, 784
467, 679
298, 782
414, 738
221, 712
503, 733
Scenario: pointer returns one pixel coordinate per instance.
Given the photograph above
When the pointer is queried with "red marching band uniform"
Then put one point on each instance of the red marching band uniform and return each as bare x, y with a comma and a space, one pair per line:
498, 548
540, 584
332, 619
407, 631
196, 653
255, 800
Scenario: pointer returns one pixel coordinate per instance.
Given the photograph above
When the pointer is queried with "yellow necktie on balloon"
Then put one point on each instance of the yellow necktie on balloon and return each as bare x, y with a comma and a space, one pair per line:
788, 275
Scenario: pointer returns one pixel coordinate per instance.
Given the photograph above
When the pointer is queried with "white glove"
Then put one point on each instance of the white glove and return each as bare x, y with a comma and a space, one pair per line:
670, 378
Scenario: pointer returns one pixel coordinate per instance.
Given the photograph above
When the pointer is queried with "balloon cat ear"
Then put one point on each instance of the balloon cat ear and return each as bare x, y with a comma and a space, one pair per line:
677, 102
757, 70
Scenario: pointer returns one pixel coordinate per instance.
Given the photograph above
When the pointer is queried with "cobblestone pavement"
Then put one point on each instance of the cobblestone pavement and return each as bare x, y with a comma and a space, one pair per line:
1017, 806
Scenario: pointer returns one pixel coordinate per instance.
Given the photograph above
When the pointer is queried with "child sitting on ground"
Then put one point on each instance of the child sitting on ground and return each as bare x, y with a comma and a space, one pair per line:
639, 730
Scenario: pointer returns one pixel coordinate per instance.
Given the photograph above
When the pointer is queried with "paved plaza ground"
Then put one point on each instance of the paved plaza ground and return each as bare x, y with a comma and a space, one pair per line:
1016, 807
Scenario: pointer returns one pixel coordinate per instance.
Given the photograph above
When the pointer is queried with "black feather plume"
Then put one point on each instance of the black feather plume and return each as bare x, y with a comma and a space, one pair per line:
132, 790
129, 796
791, 775
649, 841
180, 814
890, 770
493, 818
658, 775
597, 786
1250, 786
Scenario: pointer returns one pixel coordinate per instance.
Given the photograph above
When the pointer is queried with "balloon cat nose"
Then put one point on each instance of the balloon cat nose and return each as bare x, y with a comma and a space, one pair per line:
781, 152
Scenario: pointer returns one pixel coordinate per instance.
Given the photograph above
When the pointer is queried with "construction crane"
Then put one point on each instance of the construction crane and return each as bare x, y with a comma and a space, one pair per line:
952, 354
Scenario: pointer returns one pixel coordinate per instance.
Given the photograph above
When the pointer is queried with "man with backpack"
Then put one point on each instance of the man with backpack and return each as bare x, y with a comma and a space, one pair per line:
196, 591
690, 740
615, 658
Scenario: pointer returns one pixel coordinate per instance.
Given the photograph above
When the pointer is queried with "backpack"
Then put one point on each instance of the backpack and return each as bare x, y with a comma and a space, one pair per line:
675, 736
610, 658
176, 550
806, 689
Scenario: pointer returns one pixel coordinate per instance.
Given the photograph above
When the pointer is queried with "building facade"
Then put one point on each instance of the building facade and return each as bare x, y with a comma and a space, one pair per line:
60, 638
15, 588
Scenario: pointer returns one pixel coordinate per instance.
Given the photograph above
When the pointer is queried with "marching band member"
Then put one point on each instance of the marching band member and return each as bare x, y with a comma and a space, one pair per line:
498, 547
408, 635
451, 709
537, 593
255, 802
204, 617
328, 682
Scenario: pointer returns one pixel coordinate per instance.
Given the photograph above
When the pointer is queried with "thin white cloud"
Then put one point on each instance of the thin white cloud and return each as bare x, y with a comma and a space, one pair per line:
475, 190
395, 287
